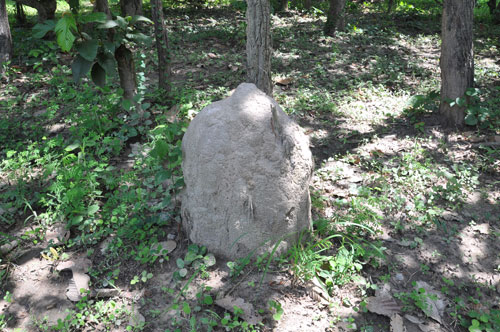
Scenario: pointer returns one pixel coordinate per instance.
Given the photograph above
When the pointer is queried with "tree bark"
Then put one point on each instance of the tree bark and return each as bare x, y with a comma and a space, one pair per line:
126, 71
20, 15
492, 4
335, 19
46, 8
131, 7
161, 37
457, 58
307, 4
390, 3
103, 7
5, 37
494, 11
283, 5
259, 44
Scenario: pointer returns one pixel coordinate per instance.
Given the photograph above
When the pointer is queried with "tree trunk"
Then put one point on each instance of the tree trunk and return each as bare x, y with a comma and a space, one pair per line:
126, 71
492, 4
390, 3
161, 37
46, 8
131, 7
335, 19
5, 38
283, 5
494, 11
259, 44
457, 58
20, 15
307, 4
103, 7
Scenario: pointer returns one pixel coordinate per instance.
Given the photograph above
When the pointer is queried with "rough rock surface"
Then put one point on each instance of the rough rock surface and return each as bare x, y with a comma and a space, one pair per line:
247, 168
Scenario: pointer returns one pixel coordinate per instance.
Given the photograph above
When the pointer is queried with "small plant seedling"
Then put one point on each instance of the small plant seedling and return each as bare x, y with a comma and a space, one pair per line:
144, 277
276, 309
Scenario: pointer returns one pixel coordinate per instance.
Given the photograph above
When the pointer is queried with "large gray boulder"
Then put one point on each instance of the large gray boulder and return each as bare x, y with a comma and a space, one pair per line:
247, 168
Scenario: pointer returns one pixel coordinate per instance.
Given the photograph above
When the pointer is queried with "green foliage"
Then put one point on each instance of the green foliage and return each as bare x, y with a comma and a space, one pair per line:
479, 110
107, 313
65, 29
275, 307
483, 321
418, 298
95, 51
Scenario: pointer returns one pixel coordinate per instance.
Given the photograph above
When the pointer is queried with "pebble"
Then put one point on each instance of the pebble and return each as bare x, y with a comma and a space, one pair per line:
399, 277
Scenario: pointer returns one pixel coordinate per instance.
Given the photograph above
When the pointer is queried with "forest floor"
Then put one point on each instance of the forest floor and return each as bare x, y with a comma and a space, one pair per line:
406, 213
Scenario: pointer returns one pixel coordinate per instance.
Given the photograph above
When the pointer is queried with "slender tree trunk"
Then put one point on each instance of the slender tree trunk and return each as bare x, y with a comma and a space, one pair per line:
390, 3
283, 5
126, 71
46, 8
131, 7
457, 58
103, 7
5, 37
259, 44
307, 4
494, 11
20, 15
492, 4
335, 19
161, 37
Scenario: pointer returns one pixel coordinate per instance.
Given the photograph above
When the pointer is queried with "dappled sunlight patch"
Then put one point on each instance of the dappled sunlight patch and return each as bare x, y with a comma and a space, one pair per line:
373, 104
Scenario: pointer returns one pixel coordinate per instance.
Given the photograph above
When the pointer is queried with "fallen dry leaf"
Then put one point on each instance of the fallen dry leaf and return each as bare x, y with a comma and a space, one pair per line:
397, 324
136, 319
435, 305
57, 234
82, 264
482, 228
284, 81
316, 292
212, 55
165, 247
385, 306
80, 280
249, 314
173, 113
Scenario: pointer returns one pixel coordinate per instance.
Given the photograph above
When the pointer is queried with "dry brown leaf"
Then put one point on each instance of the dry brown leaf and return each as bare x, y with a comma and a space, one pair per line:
105, 292
81, 280
173, 113
136, 319
72, 291
397, 324
164, 247
233, 67
284, 81
212, 55
316, 292
249, 314
8, 247
413, 319
482, 228
385, 306
57, 234
81, 264
435, 307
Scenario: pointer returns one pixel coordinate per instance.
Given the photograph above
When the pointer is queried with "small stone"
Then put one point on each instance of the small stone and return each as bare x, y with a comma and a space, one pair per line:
399, 277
